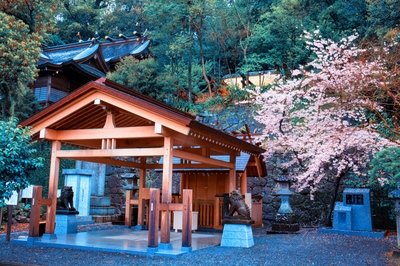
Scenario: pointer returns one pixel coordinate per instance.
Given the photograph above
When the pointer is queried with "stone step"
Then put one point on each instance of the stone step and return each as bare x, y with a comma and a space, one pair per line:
103, 218
94, 210
100, 201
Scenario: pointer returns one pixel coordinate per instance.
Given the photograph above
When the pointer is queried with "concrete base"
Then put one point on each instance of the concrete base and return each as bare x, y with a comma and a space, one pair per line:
49, 236
31, 240
84, 220
165, 246
66, 224
122, 239
237, 235
353, 233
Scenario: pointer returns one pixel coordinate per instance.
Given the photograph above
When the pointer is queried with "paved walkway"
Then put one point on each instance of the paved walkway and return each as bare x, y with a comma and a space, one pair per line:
309, 247
124, 240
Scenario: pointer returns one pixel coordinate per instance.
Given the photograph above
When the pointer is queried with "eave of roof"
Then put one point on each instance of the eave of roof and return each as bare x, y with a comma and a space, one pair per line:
119, 91
82, 51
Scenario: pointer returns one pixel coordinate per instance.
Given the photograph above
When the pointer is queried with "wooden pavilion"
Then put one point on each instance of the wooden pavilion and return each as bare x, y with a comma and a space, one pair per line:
112, 124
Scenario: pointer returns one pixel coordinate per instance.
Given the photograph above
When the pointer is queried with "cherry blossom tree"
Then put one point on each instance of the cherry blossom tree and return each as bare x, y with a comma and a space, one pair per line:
319, 117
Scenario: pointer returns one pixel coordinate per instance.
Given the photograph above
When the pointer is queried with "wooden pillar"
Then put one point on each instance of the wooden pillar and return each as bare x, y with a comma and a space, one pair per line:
128, 207
217, 217
142, 185
166, 189
187, 218
53, 185
153, 218
35, 211
232, 173
243, 183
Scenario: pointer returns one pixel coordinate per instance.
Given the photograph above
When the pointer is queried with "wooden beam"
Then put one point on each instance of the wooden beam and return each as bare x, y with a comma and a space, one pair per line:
201, 159
232, 174
171, 207
146, 113
212, 145
110, 122
166, 188
243, 183
46, 202
53, 185
110, 153
108, 161
35, 211
195, 166
259, 166
99, 133
128, 207
64, 112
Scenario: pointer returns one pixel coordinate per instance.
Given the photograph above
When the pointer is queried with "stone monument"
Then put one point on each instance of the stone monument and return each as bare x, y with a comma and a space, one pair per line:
79, 180
237, 222
352, 216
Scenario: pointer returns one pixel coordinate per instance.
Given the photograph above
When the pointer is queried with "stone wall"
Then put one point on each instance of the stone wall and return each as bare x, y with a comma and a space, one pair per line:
114, 187
307, 212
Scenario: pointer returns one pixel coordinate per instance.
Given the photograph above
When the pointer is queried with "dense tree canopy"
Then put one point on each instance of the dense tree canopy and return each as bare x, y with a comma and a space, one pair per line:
16, 158
19, 52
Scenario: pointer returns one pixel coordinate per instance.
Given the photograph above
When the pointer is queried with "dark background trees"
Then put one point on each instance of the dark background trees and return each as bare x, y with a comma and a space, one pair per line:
216, 37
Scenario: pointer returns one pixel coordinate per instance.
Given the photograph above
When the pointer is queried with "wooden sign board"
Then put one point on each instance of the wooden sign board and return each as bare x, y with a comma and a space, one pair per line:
13, 200
27, 192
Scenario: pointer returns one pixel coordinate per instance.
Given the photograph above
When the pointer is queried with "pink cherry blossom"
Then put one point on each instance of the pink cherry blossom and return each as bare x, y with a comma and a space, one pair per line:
320, 117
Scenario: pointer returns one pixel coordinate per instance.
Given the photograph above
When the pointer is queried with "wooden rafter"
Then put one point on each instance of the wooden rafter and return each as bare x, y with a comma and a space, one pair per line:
99, 133
202, 159
110, 153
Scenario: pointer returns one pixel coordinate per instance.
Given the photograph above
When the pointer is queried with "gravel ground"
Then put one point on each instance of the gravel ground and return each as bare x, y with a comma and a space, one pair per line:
306, 248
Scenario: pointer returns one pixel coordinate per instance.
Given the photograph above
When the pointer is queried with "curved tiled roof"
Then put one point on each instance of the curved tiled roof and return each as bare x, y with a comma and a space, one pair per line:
82, 51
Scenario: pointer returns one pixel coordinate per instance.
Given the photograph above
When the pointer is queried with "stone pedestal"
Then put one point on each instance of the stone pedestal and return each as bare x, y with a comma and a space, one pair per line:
66, 223
79, 180
97, 183
237, 235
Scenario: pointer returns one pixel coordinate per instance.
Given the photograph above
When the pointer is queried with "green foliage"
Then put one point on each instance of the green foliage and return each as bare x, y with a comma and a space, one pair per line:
342, 18
384, 16
16, 158
276, 40
138, 75
385, 168
19, 52
78, 16
38, 15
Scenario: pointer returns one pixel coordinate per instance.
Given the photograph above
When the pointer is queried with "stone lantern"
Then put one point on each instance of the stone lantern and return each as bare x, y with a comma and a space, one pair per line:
284, 219
395, 194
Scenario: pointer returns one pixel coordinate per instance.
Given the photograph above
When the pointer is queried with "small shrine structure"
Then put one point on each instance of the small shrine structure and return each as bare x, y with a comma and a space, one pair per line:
105, 122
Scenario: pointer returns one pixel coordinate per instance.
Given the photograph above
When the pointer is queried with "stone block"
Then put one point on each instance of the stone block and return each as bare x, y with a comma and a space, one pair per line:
100, 201
342, 217
79, 180
66, 224
237, 235
359, 200
102, 210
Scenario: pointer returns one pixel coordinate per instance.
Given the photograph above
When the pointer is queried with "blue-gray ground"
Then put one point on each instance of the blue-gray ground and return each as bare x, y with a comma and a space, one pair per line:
306, 248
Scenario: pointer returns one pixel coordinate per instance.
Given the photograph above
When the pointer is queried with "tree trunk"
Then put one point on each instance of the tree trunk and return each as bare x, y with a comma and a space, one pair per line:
1, 216
338, 179
203, 63
190, 81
